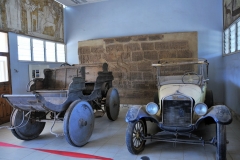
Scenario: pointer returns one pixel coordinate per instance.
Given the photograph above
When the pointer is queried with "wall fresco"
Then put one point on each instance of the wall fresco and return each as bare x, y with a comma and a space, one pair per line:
231, 11
43, 19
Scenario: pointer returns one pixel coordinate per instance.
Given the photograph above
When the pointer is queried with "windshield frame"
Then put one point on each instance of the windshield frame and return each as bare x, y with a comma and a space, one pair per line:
200, 65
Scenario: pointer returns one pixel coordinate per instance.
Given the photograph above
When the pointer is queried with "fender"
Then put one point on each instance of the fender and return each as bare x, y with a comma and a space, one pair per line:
220, 113
137, 112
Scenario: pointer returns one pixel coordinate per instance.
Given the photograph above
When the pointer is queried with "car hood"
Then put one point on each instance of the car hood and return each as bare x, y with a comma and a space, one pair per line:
191, 90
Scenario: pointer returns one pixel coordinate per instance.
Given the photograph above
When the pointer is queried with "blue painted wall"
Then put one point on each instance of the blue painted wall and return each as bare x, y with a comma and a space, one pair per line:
21, 78
231, 65
19, 70
115, 18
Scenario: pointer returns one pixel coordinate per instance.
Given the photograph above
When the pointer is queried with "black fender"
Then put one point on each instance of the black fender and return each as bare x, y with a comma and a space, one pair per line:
219, 113
137, 112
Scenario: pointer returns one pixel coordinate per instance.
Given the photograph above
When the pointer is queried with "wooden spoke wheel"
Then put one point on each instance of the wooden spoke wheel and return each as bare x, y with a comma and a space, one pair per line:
134, 133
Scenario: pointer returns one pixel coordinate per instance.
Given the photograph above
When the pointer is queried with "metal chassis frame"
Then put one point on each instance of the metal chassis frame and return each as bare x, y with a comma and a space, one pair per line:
195, 139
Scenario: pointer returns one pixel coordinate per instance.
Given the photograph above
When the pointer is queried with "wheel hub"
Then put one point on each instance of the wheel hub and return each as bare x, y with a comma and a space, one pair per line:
82, 122
138, 135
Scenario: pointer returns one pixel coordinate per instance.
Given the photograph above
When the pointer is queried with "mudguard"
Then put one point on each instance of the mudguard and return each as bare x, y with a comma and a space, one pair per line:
220, 113
137, 112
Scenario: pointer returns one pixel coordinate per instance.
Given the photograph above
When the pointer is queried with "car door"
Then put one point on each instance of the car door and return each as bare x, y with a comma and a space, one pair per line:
5, 79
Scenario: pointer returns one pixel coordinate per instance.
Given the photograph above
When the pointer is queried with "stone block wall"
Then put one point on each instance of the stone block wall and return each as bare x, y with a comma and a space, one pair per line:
130, 59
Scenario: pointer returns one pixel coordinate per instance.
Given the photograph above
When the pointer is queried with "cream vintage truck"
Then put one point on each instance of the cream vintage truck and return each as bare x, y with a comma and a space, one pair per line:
181, 104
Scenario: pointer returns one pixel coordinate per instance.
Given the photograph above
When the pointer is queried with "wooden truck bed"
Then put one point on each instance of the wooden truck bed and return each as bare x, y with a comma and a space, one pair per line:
61, 86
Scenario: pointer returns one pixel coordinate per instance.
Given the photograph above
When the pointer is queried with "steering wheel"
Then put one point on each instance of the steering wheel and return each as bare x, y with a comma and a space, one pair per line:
65, 64
190, 77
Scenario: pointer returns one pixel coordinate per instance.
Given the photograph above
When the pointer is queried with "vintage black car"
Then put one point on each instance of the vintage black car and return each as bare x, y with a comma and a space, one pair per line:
181, 104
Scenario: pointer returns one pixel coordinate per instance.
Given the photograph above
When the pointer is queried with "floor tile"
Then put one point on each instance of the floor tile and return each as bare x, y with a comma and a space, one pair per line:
108, 140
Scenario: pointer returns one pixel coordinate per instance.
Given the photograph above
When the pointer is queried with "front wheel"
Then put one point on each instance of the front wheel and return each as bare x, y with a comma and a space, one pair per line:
134, 133
78, 123
221, 142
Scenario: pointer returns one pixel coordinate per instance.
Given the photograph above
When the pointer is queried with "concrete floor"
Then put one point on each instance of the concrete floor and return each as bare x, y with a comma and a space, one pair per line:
108, 141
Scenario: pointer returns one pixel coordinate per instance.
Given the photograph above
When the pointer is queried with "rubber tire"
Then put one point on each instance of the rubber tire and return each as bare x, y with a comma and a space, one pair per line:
24, 133
112, 104
70, 116
209, 98
129, 137
221, 152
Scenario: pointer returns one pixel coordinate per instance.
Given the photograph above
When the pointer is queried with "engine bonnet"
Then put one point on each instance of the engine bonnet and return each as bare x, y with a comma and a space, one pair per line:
190, 90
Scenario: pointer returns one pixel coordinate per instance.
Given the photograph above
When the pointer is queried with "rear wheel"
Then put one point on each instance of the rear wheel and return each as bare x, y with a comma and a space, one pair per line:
112, 104
221, 142
134, 133
25, 128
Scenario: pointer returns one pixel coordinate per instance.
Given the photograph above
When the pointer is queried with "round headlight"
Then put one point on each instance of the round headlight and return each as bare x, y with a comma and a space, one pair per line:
152, 108
200, 109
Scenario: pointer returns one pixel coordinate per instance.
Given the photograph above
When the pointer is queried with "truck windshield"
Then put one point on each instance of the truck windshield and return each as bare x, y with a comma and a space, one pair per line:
181, 72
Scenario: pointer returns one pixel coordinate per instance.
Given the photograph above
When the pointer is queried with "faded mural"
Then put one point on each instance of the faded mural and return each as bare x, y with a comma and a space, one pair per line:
130, 59
231, 11
39, 18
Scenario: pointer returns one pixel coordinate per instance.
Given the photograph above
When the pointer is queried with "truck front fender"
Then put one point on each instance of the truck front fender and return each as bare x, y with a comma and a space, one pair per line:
219, 113
137, 112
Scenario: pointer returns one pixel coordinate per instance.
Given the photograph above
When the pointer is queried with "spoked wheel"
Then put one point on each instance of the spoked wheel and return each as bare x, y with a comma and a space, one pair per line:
190, 77
134, 133
78, 123
112, 104
25, 128
221, 153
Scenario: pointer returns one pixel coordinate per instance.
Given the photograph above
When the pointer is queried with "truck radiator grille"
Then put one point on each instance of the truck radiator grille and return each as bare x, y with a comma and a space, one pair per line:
177, 112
